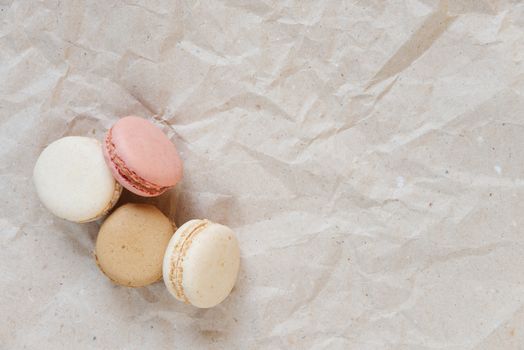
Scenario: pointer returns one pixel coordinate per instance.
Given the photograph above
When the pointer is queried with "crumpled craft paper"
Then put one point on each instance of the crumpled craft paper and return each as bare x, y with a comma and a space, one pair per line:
369, 155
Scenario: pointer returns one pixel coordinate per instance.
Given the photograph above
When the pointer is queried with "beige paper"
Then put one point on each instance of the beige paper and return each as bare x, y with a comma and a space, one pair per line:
369, 155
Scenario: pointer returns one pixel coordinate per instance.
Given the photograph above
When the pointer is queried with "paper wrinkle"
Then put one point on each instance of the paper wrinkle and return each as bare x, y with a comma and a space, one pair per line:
367, 154
417, 44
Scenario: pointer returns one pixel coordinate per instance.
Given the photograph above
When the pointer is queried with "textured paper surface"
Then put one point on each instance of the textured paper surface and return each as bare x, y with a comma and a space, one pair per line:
369, 155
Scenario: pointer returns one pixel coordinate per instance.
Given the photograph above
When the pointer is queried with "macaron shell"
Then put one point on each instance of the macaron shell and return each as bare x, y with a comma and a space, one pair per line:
147, 151
122, 180
131, 244
171, 256
73, 181
211, 265
114, 199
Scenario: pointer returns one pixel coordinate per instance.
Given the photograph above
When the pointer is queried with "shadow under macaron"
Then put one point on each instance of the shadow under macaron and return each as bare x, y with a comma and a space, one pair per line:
166, 202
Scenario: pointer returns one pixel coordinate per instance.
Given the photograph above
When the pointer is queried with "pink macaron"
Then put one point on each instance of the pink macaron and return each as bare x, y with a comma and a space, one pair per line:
141, 157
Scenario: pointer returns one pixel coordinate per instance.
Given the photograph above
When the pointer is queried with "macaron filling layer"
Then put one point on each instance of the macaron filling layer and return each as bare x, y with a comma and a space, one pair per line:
181, 248
129, 175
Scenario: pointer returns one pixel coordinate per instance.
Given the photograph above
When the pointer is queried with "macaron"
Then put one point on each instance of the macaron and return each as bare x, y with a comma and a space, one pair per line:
201, 263
73, 181
141, 157
131, 244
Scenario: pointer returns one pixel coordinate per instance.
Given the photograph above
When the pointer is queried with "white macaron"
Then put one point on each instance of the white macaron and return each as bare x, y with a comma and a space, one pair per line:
73, 180
201, 263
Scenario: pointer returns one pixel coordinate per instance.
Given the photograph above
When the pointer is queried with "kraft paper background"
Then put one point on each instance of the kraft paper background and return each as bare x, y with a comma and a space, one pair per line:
368, 154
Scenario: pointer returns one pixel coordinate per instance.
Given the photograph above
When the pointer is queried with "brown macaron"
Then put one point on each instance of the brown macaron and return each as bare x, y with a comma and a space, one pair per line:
131, 244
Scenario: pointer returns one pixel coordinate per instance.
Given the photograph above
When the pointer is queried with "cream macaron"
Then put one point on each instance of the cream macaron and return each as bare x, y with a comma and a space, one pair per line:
73, 181
201, 263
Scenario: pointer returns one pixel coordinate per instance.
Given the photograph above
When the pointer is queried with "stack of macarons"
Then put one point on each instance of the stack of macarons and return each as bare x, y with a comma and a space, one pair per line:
79, 179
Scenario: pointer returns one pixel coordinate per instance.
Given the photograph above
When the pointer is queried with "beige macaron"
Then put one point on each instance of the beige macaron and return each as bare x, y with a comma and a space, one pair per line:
201, 263
131, 244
